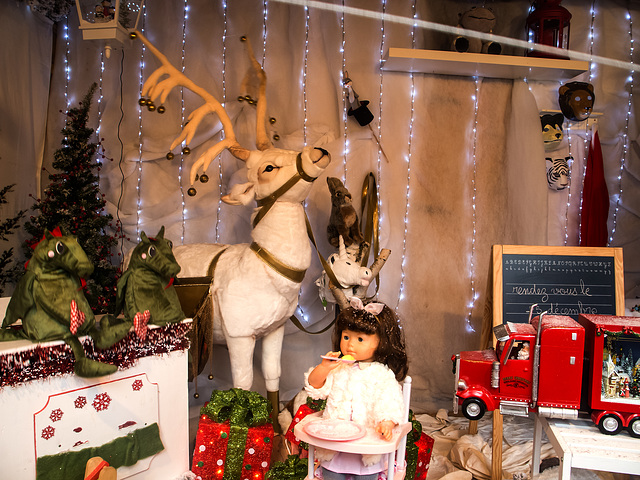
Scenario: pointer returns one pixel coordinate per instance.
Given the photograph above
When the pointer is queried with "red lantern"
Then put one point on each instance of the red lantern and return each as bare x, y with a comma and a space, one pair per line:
548, 24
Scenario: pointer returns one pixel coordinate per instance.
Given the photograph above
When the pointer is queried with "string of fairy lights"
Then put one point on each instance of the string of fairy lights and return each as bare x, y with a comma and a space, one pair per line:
412, 94
140, 108
472, 256
625, 135
343, 79
224, 102
379, 153
183, 151
343, 74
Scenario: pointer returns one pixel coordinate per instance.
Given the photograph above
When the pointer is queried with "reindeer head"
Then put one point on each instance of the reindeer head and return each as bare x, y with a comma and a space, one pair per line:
269, 169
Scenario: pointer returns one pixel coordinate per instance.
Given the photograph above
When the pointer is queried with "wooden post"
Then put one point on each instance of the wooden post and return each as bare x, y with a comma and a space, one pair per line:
473, 427
496, 448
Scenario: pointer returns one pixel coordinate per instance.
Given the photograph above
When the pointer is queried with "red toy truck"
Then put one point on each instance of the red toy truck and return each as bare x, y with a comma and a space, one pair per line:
541, 370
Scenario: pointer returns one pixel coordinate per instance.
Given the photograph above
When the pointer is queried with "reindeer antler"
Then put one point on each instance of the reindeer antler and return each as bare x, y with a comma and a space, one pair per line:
262, 139
156, 86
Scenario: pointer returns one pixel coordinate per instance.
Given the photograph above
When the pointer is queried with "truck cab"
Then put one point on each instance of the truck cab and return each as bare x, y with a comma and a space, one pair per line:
496, 378
530, 369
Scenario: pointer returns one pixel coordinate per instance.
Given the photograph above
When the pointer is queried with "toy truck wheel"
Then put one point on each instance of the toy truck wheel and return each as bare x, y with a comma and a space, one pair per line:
634, 428
473, 408
610, 424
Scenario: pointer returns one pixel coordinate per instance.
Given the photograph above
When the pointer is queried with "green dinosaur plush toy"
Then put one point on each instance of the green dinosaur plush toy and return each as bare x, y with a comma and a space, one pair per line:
145, 290
50, 301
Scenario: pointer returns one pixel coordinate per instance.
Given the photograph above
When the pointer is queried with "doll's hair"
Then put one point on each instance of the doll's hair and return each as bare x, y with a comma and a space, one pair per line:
391, 350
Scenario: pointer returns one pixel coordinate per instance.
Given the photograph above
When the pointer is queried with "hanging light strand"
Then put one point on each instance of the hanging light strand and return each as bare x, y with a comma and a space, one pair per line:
625, 136
140, 107
182, 115
67, 68
301, 312
380, 76
587, 137
408, 161
472, 257
224, 103
304, 73
100, 112
345, 102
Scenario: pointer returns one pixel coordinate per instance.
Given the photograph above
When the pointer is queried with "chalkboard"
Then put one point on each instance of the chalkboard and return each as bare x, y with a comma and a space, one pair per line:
561, 280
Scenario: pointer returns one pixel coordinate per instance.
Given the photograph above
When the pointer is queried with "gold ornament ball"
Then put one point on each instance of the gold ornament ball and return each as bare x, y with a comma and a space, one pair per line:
276, 137
161, 109
142, 102
196, 395
191, 192
240, 98
272, 120
151, 107
186, 151
243, 38
204, 178
248, 98
170, 156
133, 35
210, 377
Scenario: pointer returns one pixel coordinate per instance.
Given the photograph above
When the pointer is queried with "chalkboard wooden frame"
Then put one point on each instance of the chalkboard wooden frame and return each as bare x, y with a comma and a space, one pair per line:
502, 252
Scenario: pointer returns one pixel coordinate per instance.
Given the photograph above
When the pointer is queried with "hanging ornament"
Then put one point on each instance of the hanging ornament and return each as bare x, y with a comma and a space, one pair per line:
186, 151
192, 193
170, 156
358, 109
161, 109
103, 21
204, 178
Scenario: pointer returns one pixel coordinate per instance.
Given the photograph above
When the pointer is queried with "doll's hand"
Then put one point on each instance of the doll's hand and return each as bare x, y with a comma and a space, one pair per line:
385, 429
318, 375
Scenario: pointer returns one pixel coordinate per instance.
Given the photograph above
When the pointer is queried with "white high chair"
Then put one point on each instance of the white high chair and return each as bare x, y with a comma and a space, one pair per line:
371, 443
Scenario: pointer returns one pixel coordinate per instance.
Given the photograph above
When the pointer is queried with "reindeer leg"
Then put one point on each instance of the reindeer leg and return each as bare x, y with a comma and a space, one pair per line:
271, 353
241, 357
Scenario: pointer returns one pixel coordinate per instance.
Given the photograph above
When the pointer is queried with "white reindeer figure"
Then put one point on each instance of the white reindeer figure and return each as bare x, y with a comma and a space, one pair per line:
255, 287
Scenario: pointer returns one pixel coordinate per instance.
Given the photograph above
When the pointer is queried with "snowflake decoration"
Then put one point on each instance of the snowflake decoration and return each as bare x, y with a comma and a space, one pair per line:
48, 432
80, 402
56, 415
137, 385
101, 401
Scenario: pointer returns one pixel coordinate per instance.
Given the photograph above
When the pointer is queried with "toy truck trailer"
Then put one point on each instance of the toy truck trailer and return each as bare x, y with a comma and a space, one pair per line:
541, 370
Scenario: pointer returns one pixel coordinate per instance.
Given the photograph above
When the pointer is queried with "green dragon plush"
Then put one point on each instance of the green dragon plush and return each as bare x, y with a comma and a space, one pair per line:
145, 290
50, 301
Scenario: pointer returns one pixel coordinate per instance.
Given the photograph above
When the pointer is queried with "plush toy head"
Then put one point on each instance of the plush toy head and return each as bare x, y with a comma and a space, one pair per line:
59, 251
557, 173
480, 19
576, 100
551, 130
155, 254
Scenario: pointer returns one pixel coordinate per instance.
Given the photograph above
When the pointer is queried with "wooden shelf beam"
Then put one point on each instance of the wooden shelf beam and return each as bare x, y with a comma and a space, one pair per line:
483, 65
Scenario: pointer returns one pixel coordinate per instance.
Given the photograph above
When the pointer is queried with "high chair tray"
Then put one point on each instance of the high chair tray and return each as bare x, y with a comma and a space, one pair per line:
371, 442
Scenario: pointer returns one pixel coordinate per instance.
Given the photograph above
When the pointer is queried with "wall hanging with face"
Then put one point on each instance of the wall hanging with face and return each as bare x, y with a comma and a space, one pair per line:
576, 100
551, 130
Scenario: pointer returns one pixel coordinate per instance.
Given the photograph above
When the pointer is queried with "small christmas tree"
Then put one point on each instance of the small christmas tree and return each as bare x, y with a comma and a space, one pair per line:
73, 202
8, 273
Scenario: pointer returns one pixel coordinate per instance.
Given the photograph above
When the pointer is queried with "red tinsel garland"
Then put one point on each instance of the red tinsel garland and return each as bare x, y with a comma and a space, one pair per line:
46, 361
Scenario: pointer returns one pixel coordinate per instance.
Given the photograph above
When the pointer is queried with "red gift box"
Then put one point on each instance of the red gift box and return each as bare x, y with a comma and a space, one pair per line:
225, 452
425, 448
302, 412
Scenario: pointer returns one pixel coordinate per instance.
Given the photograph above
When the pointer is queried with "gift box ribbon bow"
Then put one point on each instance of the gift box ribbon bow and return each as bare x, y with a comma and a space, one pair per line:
240, 407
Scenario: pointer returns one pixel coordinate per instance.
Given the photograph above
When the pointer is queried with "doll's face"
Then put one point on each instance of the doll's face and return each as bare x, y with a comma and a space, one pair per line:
359, 345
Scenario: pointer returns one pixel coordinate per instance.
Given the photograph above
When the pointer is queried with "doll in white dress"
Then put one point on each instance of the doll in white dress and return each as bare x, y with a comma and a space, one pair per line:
366, 391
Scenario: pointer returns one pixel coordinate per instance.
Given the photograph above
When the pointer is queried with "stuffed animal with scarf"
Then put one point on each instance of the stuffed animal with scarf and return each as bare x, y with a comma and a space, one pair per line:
50, 301
145, 291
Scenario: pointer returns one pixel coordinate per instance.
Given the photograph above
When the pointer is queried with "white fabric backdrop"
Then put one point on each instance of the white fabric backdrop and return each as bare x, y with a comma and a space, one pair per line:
437, 261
